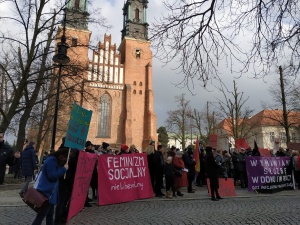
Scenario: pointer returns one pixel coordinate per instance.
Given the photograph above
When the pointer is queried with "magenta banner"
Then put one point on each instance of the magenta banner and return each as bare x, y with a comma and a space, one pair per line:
123, 178
269, 174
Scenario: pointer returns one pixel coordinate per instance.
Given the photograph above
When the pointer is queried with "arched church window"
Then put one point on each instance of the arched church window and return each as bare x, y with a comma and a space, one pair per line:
134, 82
104, 116
141, 84
137, 15
134, 91
141, 92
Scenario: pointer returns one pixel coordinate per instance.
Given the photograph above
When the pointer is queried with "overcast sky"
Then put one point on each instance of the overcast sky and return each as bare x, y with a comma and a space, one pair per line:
165, 78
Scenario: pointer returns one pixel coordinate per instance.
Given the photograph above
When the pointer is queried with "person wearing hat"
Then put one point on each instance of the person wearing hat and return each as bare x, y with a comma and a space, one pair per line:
104, 149
28, 165
124, 149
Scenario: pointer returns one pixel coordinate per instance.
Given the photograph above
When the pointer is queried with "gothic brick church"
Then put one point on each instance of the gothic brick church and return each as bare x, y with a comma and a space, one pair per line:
115, 83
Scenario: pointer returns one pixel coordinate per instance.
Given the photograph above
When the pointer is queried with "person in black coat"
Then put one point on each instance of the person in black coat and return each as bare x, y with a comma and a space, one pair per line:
28, 165
212, 169
159, 163
190, 163
6, 157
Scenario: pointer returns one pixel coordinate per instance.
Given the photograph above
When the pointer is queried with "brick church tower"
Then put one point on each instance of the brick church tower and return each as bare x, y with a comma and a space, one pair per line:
116, 84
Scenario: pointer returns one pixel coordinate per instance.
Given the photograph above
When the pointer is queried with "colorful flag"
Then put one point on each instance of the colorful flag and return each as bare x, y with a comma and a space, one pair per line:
241, 143
196, 156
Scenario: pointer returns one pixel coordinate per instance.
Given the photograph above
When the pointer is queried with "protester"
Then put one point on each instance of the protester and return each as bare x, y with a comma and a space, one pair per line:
281, 153
212, 169
28, 166
124, 149
94, 179
151, 166
180, 179
235, 161
242, 168
6, 157
169, 177
54, 167
66, 187
190, 163
159, 163
227, 163
104, 149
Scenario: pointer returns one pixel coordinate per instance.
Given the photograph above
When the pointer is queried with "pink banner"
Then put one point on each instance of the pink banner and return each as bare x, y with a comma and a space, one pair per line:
85, 166
213, 140
123, 178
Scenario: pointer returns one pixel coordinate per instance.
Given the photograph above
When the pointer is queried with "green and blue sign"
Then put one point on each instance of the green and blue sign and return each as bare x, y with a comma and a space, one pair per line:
78, 127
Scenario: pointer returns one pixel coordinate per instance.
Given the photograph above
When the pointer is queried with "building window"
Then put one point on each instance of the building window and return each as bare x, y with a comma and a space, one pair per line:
282, 137
104, 116
134, 82
77, 3
74, 42
293, 137
137, 15
141, 84
134, 91
141, 92
138, 53
272, 137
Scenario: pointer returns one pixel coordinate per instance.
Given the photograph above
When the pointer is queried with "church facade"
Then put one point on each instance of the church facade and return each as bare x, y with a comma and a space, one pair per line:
115, 83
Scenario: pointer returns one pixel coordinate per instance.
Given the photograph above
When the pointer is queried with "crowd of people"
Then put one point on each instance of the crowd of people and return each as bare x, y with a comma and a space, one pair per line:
170, 171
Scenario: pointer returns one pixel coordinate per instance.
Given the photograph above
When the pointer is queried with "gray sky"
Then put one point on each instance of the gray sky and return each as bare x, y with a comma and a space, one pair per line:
165, 78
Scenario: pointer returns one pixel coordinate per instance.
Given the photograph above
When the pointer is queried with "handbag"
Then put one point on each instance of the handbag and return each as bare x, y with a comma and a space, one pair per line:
35, 199
177, 172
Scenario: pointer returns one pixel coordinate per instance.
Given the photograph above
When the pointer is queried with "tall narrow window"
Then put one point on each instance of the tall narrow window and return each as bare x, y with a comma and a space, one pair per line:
137, 15
104, 116
77, 3
293, 137
272, 137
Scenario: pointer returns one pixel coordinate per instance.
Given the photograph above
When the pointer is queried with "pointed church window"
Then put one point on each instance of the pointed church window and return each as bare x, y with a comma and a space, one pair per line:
77, 3
137, 15
74, 42
104, 116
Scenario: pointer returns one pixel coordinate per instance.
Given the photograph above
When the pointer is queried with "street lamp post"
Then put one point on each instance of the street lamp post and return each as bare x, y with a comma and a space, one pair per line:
61, 59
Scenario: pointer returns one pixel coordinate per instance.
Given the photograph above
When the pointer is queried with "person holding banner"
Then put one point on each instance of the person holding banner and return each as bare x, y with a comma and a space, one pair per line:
242, 168
55, 166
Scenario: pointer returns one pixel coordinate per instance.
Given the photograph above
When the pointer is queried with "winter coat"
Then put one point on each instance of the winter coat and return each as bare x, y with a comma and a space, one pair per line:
28, 161
6, 155
169, 170
190, 165
49, 180
242, 162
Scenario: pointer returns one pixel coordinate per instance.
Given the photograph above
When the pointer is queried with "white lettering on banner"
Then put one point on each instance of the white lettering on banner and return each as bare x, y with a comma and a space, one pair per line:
125, 173
121, 162
124, 185
254, 179
275, 171
274, 162
273, 179
253, 162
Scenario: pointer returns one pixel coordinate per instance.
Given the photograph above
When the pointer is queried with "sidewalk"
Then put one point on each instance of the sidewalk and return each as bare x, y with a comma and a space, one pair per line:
9, 196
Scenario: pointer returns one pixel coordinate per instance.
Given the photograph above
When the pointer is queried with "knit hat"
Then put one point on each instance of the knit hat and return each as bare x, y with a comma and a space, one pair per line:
31, 143
105, 145
124, 147
88, 143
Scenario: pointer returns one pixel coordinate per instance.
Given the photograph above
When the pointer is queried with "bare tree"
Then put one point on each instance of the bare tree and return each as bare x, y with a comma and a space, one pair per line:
201, 33
26, 63
285, 96
178, 121
234, 110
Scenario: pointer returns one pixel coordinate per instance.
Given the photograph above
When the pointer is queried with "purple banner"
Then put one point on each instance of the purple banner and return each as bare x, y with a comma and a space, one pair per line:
269, 174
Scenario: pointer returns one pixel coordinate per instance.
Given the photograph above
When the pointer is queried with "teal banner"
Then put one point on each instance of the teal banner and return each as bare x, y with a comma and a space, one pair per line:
78, 127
